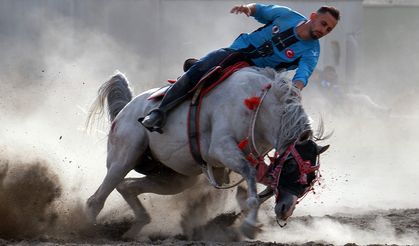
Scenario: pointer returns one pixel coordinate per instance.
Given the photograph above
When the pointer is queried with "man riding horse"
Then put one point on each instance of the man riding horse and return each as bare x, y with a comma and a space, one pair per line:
288, 40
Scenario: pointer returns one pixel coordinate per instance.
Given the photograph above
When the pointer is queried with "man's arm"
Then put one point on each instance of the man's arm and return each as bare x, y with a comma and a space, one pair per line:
304, 71
248, 9
299, 84
306, 66
263, 13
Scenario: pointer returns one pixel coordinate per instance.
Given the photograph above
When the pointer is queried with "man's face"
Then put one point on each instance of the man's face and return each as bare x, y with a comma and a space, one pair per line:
321, 24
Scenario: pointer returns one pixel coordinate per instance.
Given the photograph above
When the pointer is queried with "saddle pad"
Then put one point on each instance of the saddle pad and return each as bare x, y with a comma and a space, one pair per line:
157, 95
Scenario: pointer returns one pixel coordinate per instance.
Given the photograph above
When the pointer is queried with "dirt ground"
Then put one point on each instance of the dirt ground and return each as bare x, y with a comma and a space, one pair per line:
31, 213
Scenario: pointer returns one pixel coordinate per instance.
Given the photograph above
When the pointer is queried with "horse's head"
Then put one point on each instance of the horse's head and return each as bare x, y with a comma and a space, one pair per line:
297, 176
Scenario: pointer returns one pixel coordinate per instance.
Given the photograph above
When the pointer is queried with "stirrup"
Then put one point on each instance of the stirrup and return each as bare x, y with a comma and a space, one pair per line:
151, 129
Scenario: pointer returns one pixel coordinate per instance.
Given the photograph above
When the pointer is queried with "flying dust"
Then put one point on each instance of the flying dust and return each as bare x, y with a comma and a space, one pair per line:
27, 194
31, 207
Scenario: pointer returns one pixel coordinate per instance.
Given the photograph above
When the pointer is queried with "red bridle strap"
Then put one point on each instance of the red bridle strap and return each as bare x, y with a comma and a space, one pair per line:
268, 177
257, 162
305, 167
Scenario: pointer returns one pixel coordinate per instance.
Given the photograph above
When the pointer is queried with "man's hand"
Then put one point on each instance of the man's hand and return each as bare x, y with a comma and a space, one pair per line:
248, 9
299, 84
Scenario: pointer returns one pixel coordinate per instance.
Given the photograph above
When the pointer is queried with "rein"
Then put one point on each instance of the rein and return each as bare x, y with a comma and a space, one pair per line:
269, 173
254, 156
251, 133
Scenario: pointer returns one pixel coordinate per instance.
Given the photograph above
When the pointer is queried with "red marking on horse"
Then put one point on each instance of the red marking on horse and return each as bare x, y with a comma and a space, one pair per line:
243, 144
252, 102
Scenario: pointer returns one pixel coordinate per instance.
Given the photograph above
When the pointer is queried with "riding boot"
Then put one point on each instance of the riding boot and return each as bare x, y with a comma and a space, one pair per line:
156, 118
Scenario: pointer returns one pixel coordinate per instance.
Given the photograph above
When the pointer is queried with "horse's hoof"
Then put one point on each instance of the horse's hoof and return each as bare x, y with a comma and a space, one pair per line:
92, 210
250, 230
90, 215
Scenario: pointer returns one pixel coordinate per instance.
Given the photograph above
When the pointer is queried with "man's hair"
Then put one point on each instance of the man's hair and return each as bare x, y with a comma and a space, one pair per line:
331, 10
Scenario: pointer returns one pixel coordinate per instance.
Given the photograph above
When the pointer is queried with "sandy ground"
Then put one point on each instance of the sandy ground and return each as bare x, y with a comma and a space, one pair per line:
31, 213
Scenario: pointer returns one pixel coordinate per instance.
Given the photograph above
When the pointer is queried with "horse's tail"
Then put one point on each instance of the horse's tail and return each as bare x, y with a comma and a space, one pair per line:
116, 92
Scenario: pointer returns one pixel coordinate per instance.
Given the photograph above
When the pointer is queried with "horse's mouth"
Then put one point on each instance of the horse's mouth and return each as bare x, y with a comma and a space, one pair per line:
285, 206
285, 213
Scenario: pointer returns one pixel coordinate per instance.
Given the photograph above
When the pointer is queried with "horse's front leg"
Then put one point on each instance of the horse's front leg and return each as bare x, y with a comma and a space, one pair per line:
241, 196
225, 150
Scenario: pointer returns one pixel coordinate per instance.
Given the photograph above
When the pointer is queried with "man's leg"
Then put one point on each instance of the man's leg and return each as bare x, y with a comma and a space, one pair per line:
155, 119
189, 63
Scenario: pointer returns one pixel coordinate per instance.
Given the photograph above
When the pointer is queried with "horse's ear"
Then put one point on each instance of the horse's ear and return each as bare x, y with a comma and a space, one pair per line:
321, 149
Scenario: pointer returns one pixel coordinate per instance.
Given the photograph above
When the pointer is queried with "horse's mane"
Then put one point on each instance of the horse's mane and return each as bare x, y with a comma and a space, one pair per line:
294, 120
290, 115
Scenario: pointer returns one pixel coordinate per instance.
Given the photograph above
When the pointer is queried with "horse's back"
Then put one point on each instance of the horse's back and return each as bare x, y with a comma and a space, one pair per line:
222, 110
222, 113
226, 102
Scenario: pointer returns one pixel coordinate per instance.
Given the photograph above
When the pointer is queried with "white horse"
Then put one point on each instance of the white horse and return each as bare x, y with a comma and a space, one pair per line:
224, 122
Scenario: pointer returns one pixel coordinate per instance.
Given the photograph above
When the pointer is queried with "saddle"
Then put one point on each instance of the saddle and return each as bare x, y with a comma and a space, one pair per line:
213, 77
208, 82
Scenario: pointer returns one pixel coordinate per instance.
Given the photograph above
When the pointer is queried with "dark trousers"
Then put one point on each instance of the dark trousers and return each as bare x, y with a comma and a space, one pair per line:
222, 57
179, 90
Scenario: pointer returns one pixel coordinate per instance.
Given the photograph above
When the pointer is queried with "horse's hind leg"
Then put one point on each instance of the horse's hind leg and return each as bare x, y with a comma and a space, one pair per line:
124, 149
169, 183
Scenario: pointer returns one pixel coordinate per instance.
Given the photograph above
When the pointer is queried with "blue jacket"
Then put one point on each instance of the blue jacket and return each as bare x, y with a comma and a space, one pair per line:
301, 55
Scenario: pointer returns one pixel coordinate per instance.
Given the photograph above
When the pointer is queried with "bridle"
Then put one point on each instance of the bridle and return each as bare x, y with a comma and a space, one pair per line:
269, 173
304, 166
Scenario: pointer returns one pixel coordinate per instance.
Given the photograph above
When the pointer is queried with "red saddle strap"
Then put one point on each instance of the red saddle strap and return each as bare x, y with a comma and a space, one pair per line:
195, 106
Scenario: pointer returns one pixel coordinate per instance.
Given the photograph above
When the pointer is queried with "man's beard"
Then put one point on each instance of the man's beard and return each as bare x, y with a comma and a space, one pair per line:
313, 36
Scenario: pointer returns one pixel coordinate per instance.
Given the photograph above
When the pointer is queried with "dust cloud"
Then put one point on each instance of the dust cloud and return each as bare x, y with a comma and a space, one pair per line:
33, 206
372, 228
371, 165
205, 218
50, 72
56, 55
27, 194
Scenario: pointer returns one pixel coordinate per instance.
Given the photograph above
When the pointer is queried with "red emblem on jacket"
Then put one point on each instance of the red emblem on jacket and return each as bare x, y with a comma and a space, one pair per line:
289, 53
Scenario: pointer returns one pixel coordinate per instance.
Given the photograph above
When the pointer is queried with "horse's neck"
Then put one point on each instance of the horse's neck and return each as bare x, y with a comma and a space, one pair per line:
274, 124
266, 131
281, 118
